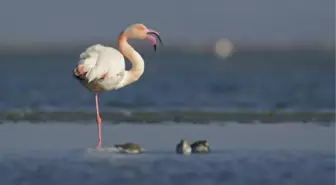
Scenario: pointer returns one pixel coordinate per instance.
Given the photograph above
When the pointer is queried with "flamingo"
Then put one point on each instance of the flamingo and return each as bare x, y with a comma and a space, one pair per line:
102, 68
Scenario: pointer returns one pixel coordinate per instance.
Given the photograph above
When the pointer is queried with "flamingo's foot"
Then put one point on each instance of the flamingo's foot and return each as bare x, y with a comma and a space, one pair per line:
79, 70
98, 144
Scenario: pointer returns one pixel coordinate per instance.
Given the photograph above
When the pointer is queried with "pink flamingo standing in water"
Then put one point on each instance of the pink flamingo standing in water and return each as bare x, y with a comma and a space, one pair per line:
102, 68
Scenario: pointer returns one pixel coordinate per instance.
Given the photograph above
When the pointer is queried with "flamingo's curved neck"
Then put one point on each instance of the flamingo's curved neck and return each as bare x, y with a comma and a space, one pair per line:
134, 57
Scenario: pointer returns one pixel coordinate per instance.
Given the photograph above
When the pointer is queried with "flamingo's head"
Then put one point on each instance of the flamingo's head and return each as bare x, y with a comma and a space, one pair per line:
140, 31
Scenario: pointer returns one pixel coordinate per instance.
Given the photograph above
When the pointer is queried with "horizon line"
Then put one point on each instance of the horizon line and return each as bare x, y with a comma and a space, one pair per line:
181, 46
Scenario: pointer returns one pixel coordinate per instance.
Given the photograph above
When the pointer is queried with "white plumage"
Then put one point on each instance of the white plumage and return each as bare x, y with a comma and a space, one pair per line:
101, 68
98, 60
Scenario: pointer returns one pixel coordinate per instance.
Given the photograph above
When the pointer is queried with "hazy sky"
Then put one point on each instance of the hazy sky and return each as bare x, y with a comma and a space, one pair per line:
251, 20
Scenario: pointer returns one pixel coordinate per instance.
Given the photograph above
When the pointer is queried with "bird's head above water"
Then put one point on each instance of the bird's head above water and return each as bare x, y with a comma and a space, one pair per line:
184, 142
140, 31
205, 142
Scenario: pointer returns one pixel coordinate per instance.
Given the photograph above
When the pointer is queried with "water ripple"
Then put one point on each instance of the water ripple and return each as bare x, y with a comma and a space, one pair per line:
228, 167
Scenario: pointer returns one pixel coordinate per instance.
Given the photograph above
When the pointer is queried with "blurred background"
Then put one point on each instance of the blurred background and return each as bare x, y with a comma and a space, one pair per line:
254, 55
223, 62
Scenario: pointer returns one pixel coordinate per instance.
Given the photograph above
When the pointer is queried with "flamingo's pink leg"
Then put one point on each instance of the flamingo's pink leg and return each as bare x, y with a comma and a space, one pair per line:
99, 120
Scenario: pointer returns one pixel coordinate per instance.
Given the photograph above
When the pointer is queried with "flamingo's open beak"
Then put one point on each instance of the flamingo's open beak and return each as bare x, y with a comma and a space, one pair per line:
150, 34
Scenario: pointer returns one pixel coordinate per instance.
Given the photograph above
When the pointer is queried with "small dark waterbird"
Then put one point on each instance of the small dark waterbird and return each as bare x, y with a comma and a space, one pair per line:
129, 148
183, 147
201, 146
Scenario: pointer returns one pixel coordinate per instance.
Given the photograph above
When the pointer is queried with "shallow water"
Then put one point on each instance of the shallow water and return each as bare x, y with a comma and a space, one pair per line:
40, 89
59, 153
282, 80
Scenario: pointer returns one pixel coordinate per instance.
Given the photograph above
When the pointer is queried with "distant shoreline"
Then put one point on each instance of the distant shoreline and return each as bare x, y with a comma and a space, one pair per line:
203, 47
170, 116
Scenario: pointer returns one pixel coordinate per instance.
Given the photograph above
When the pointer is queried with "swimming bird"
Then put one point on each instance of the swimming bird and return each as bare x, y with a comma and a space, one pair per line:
201, 146
130, 148
102, 68
183, 147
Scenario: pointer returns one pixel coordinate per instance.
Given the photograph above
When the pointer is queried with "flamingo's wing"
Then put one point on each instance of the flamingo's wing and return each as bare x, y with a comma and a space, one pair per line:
99, 60
89, 57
